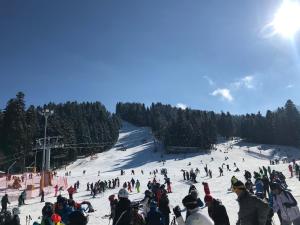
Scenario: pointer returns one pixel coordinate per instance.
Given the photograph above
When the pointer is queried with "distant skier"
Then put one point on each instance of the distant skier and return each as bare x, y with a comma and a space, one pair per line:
221, 171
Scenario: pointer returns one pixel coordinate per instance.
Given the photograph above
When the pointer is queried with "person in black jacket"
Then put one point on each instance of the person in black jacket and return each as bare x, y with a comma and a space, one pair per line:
164, 208
4, 202
216, 211
123, 211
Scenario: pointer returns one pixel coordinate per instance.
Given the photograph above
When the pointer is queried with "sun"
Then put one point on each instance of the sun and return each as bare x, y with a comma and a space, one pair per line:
286, 21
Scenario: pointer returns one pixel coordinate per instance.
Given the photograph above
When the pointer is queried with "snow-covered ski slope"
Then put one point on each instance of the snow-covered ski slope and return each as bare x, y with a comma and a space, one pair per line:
140, 155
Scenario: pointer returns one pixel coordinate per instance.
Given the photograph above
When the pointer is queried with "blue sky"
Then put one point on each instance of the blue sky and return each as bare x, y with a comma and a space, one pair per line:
212, 55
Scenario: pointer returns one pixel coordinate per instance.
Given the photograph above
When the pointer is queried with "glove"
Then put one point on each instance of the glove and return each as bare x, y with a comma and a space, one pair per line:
177, 211
287, 205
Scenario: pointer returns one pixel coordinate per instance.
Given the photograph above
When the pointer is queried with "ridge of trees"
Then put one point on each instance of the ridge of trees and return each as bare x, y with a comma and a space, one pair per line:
74, 122
197, 128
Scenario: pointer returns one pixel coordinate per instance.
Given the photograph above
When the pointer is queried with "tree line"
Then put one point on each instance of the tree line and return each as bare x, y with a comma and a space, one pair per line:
87, 128
197, 128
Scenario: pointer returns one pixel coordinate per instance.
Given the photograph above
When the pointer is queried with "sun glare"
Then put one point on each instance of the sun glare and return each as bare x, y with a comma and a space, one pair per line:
287, 19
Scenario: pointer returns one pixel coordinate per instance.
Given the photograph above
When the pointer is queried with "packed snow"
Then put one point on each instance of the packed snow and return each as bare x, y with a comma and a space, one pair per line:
144, 153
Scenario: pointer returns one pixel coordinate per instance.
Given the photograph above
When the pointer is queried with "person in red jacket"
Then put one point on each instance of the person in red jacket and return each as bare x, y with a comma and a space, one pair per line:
71, 191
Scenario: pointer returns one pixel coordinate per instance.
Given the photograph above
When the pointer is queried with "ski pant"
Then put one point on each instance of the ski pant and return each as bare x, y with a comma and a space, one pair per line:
295, 222
166, 219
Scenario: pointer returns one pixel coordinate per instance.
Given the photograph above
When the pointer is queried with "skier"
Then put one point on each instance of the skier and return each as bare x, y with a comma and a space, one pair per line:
55, 190
42, 195
183, 174
210, 173
71, 191
196, 216
221, 171
291, 170
132, 182
129, 186
137, 186
216, 211
206, 170
228, 169
4, 202
187, 175
168, 182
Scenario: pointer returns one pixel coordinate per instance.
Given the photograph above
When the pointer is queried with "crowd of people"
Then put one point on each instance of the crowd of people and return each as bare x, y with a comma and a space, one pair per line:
260, 196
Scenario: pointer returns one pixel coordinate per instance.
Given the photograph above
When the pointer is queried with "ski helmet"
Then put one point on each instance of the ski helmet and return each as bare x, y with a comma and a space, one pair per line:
15, 211
123, 193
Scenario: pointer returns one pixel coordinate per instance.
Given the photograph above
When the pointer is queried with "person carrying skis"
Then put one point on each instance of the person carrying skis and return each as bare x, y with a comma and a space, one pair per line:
196, 216
129, 186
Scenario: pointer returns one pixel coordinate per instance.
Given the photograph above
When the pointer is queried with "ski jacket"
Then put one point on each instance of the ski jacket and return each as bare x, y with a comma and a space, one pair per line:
196, 217
290, 212
253, 211
4, 201
123, 212
218, 213
154, 217
259, 186
164, 205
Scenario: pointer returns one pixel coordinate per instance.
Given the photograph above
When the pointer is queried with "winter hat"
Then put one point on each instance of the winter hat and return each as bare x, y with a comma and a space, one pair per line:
123, 193
77, 218
15, 211
56, 218
208, 198
111, 198
238, 185
190, 202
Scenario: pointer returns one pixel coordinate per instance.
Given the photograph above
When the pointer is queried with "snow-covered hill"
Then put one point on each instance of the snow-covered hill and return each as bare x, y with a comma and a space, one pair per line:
140, 154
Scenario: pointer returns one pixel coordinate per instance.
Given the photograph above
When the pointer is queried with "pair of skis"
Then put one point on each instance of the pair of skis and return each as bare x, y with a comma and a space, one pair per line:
28, 220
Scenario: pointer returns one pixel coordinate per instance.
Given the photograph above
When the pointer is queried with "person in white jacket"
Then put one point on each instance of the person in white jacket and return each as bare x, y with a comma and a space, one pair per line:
196, 216
285, 205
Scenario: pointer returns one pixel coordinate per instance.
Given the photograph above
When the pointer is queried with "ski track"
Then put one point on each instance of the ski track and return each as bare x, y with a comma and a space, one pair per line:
141, 155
